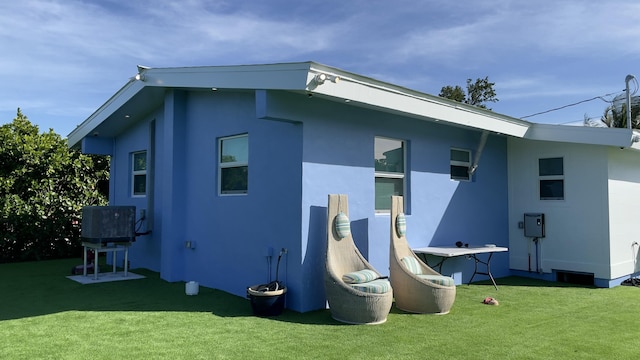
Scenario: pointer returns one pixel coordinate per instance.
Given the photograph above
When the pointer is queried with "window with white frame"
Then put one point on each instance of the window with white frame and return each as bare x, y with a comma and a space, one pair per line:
233, 165
139, 173
460, 164
551, 178
389, 171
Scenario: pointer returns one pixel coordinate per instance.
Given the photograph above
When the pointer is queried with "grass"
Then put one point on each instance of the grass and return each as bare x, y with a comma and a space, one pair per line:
44, 315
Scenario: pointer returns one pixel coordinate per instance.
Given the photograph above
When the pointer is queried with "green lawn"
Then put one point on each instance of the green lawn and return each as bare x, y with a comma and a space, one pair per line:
44, 315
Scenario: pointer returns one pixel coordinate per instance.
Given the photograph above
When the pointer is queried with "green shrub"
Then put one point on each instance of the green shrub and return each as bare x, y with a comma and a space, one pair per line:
43, 187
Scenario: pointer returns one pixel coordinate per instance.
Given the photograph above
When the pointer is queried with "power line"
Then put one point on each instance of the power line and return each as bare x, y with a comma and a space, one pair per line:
573, 104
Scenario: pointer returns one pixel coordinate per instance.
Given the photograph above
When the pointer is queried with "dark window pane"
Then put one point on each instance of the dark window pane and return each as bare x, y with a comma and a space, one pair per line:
459, 172
551, 189
234, 180
385, 187
459, 155
551, 166
139, 184
140, 161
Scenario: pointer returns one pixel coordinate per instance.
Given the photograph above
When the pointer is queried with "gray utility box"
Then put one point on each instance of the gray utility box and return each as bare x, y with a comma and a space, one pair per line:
105, 224
534, 225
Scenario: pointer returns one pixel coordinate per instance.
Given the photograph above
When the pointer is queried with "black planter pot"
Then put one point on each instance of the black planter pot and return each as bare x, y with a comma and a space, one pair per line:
266, 303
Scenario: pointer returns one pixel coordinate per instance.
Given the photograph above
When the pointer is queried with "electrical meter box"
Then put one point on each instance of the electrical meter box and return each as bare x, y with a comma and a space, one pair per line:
534, 225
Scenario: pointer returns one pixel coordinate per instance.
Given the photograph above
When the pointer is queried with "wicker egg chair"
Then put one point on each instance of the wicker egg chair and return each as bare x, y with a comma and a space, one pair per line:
366, 302
417, 287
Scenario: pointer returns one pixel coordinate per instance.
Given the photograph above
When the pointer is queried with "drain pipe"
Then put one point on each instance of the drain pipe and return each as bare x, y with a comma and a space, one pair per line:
634, 254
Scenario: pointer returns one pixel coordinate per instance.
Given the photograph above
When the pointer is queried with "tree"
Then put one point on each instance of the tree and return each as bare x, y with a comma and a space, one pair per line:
614, 117
478, 93
43, 187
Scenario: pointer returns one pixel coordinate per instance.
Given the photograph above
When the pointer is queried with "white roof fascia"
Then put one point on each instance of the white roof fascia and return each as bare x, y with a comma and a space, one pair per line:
291, 76
360, 90
300, 77
374, 93
621, 137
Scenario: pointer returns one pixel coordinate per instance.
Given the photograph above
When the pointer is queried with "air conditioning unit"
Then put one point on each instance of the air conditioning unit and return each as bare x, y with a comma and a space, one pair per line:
107, 224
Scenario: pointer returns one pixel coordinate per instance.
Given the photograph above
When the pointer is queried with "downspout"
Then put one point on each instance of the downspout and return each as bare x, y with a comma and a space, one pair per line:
476, 159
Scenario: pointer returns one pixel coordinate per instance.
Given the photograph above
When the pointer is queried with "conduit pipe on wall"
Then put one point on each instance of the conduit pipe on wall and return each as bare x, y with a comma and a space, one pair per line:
476, 159
635, 254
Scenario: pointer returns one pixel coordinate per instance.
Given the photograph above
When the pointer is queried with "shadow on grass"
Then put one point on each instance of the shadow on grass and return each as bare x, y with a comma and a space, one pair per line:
41, 288
530, 282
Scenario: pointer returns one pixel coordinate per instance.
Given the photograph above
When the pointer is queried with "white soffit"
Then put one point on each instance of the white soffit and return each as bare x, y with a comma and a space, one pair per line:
114, 103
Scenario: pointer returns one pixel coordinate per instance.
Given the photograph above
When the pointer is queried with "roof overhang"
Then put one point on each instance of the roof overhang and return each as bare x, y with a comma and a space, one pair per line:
146, 91
620, 137
368, 92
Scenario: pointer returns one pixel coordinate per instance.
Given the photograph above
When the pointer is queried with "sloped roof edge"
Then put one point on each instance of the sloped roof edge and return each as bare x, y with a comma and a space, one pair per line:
111, 105
285, 76
364, 90
357, 89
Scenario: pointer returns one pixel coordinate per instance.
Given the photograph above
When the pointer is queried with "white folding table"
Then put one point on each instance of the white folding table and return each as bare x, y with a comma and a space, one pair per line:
470, 252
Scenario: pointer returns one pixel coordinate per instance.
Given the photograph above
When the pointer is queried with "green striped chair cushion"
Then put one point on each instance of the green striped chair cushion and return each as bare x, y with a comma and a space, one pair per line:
412, 265
379, 286
438, 279
359, 277
343, 227
401, 225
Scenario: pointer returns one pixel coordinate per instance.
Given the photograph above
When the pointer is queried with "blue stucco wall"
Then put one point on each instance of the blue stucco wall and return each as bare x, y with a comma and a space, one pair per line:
300, 150
338, 153
146, 250
338, 158
232, 233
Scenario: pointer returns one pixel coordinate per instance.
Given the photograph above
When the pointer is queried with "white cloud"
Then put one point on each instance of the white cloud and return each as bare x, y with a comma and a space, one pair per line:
516, 29
68, 56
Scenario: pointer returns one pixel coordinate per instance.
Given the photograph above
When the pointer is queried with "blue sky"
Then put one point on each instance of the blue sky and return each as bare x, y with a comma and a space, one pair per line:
61, 59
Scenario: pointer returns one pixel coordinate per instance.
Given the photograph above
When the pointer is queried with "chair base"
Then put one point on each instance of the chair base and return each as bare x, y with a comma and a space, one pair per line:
359, 323
421, 312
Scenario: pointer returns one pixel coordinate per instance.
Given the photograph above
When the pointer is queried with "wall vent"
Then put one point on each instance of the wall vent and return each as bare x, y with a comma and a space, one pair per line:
574, 277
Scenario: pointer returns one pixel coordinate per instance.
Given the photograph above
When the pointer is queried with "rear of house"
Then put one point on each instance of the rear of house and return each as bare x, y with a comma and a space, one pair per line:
232, 165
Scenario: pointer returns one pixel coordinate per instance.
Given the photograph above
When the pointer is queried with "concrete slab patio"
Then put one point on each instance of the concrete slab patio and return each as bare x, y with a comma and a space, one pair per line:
105, 277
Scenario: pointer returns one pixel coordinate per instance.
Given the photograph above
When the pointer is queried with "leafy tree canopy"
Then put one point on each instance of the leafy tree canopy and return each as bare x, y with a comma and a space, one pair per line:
615, 116
43, 187
478, 93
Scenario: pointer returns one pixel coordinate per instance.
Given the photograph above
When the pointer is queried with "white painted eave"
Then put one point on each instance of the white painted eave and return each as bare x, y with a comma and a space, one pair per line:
112, 105
353, 89
620, 137
363, 91
287, 76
